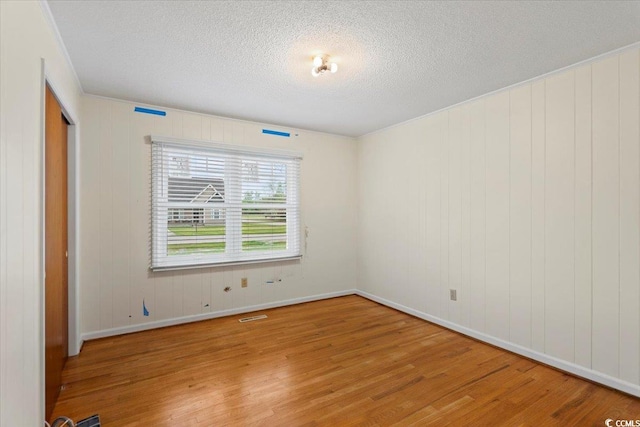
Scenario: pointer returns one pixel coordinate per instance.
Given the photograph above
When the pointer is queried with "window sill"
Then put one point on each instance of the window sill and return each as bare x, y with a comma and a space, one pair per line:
222, 264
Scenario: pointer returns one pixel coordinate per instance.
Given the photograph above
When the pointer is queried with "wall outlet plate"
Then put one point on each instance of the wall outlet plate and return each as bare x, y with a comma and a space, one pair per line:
244, 282
453, 295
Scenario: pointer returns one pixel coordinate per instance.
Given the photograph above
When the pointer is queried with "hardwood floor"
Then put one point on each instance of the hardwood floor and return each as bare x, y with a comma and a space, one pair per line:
343, 361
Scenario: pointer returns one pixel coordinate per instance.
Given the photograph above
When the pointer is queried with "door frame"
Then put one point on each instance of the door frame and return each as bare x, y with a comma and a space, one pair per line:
73, 234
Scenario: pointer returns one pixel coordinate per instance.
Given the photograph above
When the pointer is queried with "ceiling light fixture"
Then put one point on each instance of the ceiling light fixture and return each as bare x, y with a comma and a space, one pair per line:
321, 64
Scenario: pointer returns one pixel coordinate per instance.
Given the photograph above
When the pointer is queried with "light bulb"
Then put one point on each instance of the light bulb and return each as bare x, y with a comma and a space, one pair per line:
317, 61
314, 72
334, 67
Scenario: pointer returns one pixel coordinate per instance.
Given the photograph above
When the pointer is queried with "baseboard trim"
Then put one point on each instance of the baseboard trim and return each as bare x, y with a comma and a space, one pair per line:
206, 316
563, 365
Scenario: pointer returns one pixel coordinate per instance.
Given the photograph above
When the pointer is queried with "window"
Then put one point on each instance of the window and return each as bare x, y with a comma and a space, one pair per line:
216, 204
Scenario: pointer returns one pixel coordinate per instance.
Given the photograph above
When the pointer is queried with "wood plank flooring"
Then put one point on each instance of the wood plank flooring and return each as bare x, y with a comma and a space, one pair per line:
342, 361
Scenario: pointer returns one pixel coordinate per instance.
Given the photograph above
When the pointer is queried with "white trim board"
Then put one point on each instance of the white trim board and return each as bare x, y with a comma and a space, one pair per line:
73, 215
216, 145
46, 11
563, 365
213, 315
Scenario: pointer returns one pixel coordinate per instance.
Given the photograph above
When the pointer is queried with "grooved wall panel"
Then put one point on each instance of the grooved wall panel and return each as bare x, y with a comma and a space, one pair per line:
443, 121
465, 205
115, 315
559, 215
105, 202
606, 217
520, 217
421, 254
497, 215
538, 156
532, 213
456, 129
630, 216
432, 160
91, 302
582, 207
477, 231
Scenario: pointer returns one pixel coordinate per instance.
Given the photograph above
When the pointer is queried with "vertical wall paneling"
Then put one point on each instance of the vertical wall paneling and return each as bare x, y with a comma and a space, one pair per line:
532, 212
630, 216
538, 156
191, 292
559, 215
454, 266
205, 128
105, 202
497, 215
414, 228
444, 213
464, 300
120, 161
229, 298
606, 216
582, 207
217, 129
520, 216
215, 279
397, 229
477, 173
432, 165
89, 252
421, 254
192, 126
162, 307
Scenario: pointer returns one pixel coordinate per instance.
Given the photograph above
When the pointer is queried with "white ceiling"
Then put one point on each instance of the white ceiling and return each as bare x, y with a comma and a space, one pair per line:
397, 60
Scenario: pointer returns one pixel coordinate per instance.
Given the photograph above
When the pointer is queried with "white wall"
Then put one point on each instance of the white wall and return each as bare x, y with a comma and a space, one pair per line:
527, 202
115, 223
25, 38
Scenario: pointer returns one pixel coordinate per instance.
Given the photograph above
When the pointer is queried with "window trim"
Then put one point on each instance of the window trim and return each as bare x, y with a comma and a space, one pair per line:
233, 150
239, 149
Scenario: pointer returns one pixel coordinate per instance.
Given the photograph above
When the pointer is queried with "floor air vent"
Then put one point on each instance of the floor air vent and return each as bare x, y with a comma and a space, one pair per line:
252, 318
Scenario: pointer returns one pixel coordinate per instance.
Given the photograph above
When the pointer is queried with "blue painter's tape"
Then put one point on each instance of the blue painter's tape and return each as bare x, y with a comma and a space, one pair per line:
275, 132
144, 309
150, 111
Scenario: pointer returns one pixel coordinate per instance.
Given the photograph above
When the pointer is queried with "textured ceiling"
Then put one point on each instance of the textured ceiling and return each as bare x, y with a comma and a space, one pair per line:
397, 60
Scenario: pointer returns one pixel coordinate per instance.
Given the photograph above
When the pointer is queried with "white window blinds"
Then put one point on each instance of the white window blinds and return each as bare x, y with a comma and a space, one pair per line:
216, 204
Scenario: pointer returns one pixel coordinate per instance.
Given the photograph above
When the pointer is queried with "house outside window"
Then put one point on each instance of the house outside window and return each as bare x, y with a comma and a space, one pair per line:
215, 204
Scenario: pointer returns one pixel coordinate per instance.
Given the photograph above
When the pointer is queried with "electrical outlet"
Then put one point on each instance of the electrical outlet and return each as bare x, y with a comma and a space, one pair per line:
453, 295
244, 282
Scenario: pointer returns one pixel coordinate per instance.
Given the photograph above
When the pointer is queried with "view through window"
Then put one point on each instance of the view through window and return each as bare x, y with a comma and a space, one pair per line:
222, 205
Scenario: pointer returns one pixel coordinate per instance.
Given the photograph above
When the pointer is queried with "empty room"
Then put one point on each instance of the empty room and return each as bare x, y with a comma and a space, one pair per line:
319, 213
